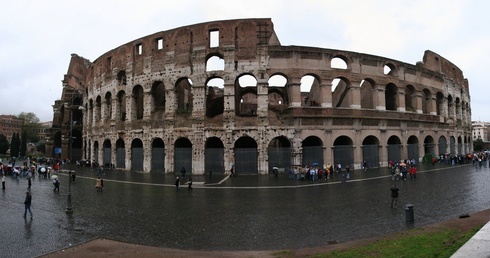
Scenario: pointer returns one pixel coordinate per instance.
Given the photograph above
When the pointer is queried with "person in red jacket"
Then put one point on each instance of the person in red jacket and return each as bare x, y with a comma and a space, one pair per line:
413, 172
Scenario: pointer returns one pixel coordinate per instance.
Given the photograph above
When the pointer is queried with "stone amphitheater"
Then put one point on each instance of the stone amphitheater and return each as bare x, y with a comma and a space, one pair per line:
226, 94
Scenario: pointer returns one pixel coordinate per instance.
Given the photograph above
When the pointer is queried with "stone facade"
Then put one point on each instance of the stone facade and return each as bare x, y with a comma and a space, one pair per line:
216, 95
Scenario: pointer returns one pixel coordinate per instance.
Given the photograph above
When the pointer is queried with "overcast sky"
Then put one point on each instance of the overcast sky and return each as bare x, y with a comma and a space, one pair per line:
38, 37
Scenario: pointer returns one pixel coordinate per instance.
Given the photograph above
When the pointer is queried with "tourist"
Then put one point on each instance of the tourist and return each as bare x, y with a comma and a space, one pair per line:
394, 196
177, 184
27, 204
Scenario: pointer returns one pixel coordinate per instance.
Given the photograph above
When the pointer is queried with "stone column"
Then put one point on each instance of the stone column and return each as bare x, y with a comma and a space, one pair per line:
294, 92
262, 98
380, 102
418, 102
401, 106
326, 92
355, 95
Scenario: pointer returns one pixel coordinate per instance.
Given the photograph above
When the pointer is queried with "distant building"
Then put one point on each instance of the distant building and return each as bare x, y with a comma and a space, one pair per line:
10, 124
480, 130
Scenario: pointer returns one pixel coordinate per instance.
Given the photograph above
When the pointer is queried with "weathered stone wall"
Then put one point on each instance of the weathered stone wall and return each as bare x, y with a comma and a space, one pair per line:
158, 89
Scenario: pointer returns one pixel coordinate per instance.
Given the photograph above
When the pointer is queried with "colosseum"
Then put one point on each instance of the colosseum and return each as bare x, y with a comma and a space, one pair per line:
223, 94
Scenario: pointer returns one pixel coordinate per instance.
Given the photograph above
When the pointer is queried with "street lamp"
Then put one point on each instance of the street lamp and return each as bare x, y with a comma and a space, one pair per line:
69, 207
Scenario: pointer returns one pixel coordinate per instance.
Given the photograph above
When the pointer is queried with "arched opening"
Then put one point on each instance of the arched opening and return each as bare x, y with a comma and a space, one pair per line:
452, 145
157, 155
108, 106
183, 155
339, 62
120, 154
98, 105
390, 97
246, 155
246, 104
340, 92
279, 153
215, 97
184, 95
137, 155
96, 152
310, 91
410, 99
368, 96
343, 151
413, 148
277, 95
442, 144
426, 102
312, 151
370, 151
390, 69
394, 149
215, 63
214, 156
158, 103
440, 103
429, 147
138, 98
121, 106
107, 153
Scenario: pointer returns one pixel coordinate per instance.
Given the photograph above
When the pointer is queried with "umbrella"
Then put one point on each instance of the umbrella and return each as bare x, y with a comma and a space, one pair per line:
54, 177
43, 170
403, 164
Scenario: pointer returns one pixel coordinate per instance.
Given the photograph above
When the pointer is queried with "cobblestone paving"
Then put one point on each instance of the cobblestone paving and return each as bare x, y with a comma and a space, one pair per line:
242, 213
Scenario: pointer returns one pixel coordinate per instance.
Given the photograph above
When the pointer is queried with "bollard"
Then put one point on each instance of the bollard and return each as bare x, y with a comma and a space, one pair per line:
409, 218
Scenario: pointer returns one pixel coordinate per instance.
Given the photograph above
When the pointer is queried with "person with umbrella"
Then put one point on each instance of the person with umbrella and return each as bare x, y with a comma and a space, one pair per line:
56, 183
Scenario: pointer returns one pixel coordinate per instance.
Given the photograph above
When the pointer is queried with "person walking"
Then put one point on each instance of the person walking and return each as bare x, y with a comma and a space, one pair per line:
27, 204
189, 184
29, 183
56, 184
394, 196
98, 184
177, 184
3, 182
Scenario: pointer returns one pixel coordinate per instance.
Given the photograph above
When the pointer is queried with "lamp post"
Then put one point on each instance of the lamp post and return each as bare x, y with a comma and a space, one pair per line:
69, 207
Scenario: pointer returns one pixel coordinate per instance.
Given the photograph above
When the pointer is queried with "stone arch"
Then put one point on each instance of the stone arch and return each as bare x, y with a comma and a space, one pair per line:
137, 103
442, 145
340, 62
184, 95
452, 145
277, 94
370, 151
214, 156
246, 102
98, 108
108, 106
340, 92
215, 104
158, 155
121, 106
246, 155
343, 151
368, 96
391, 100
310, 90
137, 155
215, 62
460, 145
107, 153
410, 99
390, 69
183, 155
279, 153
158, 96
312, 151
429, 147
96, 152
120, 154
413, 148
394, 148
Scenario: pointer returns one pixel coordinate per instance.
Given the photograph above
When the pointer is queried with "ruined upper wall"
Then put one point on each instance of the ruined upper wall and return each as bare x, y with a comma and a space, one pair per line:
435, 62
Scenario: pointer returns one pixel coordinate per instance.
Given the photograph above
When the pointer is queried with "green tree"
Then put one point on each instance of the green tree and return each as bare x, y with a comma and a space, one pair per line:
478, 144
40, 147
23, 144
4, 144
31, 126
14, 145
29, 117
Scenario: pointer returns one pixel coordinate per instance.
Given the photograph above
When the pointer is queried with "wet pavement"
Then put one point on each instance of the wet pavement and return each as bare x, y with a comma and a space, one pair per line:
242, 213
